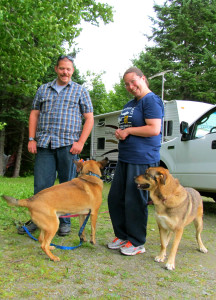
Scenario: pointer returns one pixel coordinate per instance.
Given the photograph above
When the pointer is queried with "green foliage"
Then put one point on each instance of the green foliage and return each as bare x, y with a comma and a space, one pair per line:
184, 36
184, 42
2, 125
33, 32
97, 93
104, 102
33, 35
119, 97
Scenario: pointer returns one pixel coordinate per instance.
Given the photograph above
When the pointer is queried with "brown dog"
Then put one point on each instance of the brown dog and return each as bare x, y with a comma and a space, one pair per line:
80, 195
175, 207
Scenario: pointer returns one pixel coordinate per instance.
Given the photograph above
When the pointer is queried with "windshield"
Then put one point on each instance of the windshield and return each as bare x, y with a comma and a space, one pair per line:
205, 125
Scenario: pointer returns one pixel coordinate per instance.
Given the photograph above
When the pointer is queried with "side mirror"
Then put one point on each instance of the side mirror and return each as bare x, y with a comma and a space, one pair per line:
184, 130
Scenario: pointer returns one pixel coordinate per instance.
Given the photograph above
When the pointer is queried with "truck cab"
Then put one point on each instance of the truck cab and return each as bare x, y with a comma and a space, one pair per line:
191, 157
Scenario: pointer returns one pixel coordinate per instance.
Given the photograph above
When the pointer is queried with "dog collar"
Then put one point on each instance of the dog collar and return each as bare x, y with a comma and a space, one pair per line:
93, 174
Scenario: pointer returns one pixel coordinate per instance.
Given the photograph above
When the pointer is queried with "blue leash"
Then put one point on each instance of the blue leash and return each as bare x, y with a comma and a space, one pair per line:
63, 247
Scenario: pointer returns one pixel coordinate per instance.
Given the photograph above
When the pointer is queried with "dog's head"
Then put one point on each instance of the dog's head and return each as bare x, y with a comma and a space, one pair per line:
153, 177
85, 167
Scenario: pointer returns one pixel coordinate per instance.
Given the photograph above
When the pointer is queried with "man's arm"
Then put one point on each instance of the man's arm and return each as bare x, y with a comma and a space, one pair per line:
77, 147
33, 121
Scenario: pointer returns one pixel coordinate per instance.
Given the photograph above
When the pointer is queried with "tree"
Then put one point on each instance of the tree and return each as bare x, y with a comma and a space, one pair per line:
15, 113
33, 34
97, 92
184, 36
119, 97
2, 125
104, 102
2, 141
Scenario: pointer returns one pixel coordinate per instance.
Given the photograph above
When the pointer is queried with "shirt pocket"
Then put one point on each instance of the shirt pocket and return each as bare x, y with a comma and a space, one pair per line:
46, 104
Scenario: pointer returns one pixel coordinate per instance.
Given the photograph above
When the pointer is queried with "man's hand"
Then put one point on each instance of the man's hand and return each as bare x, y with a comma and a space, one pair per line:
76, 148
32, 147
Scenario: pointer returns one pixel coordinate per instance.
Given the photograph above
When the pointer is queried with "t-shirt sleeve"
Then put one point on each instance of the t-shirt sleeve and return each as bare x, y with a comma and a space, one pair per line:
153, 107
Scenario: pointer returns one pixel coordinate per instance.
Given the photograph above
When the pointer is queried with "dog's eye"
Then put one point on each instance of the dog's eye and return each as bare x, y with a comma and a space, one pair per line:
150, 176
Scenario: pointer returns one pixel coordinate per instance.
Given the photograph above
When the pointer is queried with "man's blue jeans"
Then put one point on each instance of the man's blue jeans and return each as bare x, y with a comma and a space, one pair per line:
52, 162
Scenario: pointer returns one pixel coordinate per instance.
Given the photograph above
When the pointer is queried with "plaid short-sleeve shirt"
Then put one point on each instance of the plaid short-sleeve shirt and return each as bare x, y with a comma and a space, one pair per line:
60, 119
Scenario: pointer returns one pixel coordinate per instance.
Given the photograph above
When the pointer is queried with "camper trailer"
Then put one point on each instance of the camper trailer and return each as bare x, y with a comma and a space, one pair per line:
104, 143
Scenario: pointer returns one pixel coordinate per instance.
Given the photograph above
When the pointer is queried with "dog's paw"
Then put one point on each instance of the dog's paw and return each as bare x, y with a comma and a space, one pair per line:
160, 258
52, 247
170, 267
55, 258
203, 249
83, 239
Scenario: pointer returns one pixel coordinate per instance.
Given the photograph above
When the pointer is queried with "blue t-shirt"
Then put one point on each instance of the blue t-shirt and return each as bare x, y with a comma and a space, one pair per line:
136, 149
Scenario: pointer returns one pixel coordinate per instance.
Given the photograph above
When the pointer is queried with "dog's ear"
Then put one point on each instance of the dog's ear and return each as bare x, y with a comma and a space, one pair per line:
162, 178
79, 165
103, 163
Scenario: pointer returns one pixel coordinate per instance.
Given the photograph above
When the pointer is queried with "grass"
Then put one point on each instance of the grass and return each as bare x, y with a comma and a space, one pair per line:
94, 271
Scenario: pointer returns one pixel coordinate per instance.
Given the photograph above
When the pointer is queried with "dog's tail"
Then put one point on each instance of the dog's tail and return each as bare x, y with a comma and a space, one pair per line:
15, 202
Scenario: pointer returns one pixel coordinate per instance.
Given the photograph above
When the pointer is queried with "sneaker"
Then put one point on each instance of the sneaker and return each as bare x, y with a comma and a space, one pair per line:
29, 225
129, 249
116, 244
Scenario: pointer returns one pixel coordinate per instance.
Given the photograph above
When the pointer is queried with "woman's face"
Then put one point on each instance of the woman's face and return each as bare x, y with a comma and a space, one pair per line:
135, 85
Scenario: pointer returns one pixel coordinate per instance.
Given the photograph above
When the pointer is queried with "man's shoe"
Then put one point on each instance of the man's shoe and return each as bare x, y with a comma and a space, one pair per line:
64, 230
129, 249
116, 244
29, 225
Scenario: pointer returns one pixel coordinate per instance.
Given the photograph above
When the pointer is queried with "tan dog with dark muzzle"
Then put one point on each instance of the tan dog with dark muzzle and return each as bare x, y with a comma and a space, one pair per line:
175, 207
79, 196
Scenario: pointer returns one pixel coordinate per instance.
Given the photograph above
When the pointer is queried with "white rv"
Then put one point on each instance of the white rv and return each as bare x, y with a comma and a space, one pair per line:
104, 143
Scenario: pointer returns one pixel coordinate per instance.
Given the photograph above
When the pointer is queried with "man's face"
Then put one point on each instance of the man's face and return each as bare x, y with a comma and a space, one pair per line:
135, 84
64, 71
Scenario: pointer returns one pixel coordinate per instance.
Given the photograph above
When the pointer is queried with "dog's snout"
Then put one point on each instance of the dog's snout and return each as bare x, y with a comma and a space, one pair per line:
138, 178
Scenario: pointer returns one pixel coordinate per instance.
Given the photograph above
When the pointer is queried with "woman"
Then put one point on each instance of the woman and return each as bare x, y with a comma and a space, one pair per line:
139, 135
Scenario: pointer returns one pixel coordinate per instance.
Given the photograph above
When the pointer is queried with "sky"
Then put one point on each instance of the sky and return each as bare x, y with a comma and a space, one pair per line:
111, 47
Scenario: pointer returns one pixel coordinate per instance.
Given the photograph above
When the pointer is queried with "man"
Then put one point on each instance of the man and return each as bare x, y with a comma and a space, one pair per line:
56, 134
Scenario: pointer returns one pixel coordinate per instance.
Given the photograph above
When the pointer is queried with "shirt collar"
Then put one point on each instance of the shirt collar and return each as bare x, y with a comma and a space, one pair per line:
52, 83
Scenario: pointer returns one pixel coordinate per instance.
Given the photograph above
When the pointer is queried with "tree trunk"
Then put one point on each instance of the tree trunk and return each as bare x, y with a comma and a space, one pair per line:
19, 156
2, 142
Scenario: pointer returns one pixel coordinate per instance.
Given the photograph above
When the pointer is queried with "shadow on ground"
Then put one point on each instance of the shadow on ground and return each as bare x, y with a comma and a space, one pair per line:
209, 207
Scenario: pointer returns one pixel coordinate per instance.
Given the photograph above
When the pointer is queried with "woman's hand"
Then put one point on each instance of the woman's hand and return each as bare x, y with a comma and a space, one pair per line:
121, 134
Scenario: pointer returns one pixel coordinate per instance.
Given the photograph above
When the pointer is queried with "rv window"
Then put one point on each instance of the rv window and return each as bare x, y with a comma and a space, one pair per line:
168, 128
100, 143
101, 122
